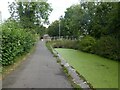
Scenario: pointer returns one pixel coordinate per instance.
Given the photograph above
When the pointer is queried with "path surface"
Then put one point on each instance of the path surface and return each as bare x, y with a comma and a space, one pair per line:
39, 71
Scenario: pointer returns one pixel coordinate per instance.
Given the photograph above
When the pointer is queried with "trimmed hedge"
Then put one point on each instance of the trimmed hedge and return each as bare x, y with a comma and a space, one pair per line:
15, 42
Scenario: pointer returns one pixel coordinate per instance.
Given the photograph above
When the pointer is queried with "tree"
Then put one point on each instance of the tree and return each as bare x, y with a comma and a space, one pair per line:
53, 29
30, 14
113, 26
41, 30
73, 16
103, 14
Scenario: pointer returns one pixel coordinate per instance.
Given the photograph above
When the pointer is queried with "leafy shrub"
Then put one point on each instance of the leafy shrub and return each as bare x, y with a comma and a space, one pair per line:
108, 47
64, 44
15, 42
86, 44
105, 46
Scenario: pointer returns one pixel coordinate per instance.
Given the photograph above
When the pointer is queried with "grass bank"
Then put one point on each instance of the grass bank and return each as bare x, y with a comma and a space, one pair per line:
99, 71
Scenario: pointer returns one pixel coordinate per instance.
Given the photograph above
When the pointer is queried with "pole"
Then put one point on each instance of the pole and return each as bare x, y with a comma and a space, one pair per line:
0, 17
59, 29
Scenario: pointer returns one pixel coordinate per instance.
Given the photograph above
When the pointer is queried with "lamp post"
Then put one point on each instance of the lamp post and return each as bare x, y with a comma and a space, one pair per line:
0, 17
59, 29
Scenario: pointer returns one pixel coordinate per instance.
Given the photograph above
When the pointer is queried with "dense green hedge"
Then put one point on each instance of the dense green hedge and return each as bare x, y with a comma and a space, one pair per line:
107, 46
64, 44
15, 42
86, 44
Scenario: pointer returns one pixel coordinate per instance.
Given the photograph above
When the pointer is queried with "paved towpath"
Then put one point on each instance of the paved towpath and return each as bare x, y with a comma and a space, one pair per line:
40, 70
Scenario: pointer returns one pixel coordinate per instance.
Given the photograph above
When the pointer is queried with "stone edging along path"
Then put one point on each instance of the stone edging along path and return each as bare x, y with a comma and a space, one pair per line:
76, 77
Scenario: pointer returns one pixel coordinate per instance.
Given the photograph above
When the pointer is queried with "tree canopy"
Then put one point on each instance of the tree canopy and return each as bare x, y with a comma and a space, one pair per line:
90, 18
32, 15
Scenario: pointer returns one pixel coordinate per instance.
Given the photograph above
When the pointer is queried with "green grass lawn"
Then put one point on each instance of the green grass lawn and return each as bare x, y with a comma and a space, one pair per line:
99, 71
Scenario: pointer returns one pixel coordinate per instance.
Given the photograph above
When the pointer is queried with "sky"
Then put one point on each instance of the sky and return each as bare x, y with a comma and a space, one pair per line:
59, 7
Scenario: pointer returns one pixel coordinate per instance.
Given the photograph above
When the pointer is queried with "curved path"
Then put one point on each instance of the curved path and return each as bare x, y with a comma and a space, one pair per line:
39, 71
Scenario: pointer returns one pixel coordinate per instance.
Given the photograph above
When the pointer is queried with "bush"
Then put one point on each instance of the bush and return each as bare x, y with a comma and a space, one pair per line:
64, 44
108, 47
15, 42
105, 46
86, 44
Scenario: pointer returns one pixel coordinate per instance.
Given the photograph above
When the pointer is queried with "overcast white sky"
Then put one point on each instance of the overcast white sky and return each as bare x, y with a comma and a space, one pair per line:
59, 6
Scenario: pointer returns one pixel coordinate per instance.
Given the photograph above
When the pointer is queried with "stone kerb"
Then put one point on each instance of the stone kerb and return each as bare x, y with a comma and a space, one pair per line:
72, 72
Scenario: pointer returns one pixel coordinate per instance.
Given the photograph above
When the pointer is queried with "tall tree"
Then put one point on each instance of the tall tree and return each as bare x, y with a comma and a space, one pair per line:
53, 29
30, 14
73, 16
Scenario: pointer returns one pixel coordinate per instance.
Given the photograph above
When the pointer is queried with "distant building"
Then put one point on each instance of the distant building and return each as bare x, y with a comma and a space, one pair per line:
47, 37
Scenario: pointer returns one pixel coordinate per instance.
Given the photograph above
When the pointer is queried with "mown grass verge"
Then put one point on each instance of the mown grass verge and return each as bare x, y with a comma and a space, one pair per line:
99, 72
